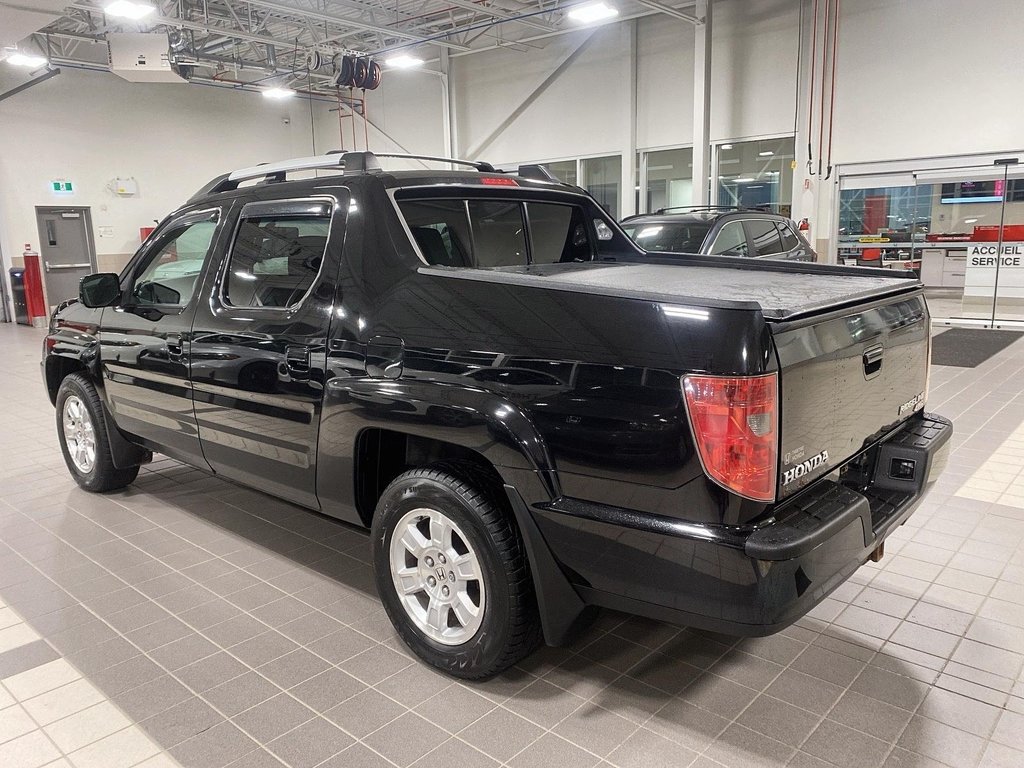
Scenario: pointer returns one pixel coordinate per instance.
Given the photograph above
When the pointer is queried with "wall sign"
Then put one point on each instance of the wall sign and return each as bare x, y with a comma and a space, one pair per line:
61, 187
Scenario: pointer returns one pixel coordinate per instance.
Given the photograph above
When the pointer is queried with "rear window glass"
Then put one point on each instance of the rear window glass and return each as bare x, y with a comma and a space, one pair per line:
490, 234
668, 236
499, 233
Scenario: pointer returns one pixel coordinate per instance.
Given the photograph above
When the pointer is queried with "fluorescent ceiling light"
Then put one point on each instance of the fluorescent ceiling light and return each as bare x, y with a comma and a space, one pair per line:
20, 59
766, 153
278, 93
744, 180
592, 12
403, 61
726, 146
128, 9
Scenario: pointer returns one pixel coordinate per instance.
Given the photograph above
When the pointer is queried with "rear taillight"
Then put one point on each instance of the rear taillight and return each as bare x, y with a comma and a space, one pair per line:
735, 425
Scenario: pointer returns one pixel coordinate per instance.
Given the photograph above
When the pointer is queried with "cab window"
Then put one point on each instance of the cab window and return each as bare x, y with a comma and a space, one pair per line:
731, 240
171, 270
491, 233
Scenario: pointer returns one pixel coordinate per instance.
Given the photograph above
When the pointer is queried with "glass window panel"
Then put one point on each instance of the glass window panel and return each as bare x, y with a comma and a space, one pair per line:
499, 234
731, 240
173, 269
275, 259
757, 174
764, 236
563, 170
789, 238
602, 178
440, 229
558, 233
669, 178
675, 237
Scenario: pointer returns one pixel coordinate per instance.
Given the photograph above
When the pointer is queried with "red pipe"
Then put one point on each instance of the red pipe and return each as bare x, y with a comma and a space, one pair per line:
832, 102
824, 67
810, 89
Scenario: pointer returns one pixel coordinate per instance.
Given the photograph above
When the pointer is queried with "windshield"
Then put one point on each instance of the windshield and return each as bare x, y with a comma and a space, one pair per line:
677, 237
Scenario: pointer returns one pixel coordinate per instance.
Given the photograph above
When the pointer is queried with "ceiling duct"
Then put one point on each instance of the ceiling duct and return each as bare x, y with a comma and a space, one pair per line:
142, 57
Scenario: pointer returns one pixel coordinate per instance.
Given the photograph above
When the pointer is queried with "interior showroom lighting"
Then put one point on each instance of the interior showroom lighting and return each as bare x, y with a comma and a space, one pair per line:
277, 92
592, 12
766, 153
20, 59
128, 9
403, 61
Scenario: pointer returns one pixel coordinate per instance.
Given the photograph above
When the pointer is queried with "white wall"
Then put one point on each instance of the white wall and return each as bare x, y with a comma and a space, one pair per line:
91, 127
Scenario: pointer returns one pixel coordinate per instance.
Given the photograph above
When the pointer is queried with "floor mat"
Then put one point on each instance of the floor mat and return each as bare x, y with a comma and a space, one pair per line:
969, 347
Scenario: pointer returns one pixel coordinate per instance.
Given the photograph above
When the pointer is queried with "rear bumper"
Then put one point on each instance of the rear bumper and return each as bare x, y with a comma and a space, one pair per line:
745, 581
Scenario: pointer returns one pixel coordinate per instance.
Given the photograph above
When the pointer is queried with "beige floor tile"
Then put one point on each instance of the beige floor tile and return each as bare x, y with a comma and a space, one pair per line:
29, 751
87, 726
41, 679
8, 618
14, 722
16, 635
61, 702
119, 750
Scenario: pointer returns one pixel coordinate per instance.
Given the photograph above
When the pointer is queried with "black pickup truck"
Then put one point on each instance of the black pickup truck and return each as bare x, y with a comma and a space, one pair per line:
480, 367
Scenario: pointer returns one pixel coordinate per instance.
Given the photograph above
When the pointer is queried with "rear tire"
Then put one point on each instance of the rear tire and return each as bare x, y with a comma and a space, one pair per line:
452, 572
82, 431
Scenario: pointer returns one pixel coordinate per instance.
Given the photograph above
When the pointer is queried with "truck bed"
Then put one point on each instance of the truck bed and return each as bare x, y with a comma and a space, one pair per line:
780, 291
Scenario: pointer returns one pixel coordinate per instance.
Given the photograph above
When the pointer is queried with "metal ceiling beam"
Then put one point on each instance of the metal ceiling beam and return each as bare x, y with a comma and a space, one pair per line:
29, 83
497, 13
669, 10
342, 21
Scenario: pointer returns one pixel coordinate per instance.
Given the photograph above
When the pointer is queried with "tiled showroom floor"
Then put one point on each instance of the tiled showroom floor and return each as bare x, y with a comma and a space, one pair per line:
188, 621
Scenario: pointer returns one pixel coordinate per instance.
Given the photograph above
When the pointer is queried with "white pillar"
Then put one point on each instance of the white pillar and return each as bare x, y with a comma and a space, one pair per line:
702, 105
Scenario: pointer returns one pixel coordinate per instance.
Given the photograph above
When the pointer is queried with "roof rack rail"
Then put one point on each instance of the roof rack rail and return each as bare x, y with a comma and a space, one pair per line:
347, 162
701, 208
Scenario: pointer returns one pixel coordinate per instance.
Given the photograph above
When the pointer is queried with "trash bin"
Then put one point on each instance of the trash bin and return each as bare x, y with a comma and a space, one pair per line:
18, 297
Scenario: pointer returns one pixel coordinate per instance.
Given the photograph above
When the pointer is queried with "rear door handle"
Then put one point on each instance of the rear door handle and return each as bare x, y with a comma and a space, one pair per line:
296, 359
174, 345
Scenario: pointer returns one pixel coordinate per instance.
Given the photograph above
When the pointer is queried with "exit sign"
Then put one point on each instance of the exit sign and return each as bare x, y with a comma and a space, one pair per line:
59, 185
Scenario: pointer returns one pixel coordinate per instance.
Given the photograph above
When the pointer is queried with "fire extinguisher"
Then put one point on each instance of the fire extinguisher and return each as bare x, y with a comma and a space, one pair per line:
805, 228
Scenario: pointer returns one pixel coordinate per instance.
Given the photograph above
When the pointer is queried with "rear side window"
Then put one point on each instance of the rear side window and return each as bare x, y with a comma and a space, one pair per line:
764, 236
276, 256
731, 240
490, 234
789, 238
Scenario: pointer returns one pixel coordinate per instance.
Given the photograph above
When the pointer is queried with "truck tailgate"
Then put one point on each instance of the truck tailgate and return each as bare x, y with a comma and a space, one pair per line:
846, 378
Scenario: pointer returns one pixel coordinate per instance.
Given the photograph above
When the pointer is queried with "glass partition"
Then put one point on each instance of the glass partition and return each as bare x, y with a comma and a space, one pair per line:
961, 229
602, 178
757, 174
563, 170
669, 179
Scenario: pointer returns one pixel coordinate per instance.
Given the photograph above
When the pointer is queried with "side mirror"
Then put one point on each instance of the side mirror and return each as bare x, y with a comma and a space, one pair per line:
100, 290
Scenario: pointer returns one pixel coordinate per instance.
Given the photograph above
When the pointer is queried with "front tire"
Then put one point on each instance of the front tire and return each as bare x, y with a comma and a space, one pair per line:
452, 572
82, 432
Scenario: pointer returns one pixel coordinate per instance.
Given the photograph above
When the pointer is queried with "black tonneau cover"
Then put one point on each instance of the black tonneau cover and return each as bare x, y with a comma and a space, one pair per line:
780, 294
